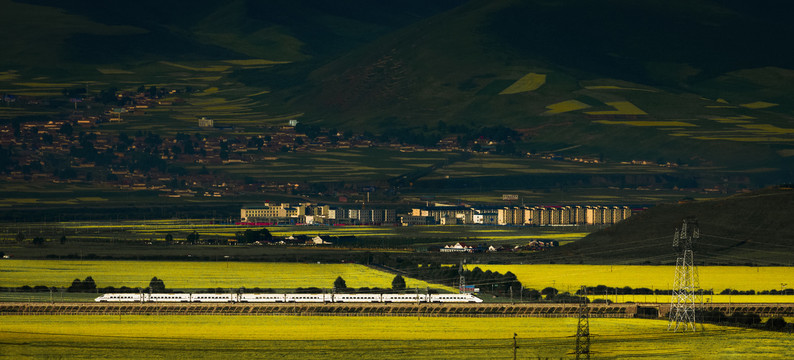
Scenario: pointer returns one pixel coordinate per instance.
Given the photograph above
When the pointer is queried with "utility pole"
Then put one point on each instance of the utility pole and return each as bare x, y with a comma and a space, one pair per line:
583, 328
515, 346
462, 280
686, 289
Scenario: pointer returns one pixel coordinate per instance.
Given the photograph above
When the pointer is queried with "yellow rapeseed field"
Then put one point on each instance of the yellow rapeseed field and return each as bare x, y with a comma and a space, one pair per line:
405, 338
196, 275
758, 105
621, 108
565, 106
529, 82
742, 119
571, 277
763, 129
8, 75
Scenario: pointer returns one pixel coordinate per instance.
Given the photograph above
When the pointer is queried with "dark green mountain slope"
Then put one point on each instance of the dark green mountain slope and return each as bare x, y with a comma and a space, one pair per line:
753, 228
453, 67
204, 30
703, 84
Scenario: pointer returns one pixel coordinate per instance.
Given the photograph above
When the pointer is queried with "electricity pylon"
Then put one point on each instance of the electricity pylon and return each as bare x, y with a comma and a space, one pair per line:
686, 288
583, 329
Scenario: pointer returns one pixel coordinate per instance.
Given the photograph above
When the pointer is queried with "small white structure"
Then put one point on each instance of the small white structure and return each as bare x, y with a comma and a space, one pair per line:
205, 122
458, 247
321, 240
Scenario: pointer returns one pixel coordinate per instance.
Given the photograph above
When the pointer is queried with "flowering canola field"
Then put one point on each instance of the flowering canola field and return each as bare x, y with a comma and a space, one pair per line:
195, 275
571, 277
304, 337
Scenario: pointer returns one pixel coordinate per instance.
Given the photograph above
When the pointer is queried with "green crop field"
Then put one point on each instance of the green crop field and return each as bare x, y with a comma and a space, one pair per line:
571, 277
156, 230
303, 337
335, 165
196, 275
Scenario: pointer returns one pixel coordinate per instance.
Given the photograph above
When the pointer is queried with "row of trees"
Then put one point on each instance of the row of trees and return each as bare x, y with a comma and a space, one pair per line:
775, 323
397, 284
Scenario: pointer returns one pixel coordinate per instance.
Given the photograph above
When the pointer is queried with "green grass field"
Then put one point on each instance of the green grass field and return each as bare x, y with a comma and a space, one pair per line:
334, 165
196, 275
156, 230
289, 337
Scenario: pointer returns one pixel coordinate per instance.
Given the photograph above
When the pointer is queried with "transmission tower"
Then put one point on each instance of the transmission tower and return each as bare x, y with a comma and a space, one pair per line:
686, 288
583, 329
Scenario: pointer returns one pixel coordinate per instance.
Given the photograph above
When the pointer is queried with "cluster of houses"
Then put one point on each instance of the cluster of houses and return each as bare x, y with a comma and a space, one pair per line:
534, 245
313, 240
310, 213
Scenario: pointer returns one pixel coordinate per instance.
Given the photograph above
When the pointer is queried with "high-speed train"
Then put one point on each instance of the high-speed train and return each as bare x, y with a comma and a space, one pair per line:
290, 298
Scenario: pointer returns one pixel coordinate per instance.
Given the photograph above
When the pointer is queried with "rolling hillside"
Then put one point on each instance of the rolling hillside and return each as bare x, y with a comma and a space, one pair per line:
748, 229
596, 93
706, 85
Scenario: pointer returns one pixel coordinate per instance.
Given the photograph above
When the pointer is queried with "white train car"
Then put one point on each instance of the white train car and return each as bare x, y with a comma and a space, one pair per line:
291, 298
268, 298
119, 298
166, 297
454, 298
307, 297
406, 298
213, 297
357, 298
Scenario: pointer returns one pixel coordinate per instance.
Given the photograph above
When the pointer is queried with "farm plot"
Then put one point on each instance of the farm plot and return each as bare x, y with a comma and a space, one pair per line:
571, 277
488, 165
620, 108
338, 165
529, 82
196, 275
290, 337
565, 106
155, 231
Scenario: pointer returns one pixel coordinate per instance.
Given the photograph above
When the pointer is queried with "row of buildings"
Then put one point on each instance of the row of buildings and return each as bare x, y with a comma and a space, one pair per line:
309, 213
520, 215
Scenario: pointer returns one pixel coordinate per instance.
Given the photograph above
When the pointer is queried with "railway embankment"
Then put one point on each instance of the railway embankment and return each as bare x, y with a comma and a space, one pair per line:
627, 310
319, 309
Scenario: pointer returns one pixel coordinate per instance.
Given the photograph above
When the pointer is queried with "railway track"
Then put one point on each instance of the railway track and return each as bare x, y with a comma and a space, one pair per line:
304, 309
628, 310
